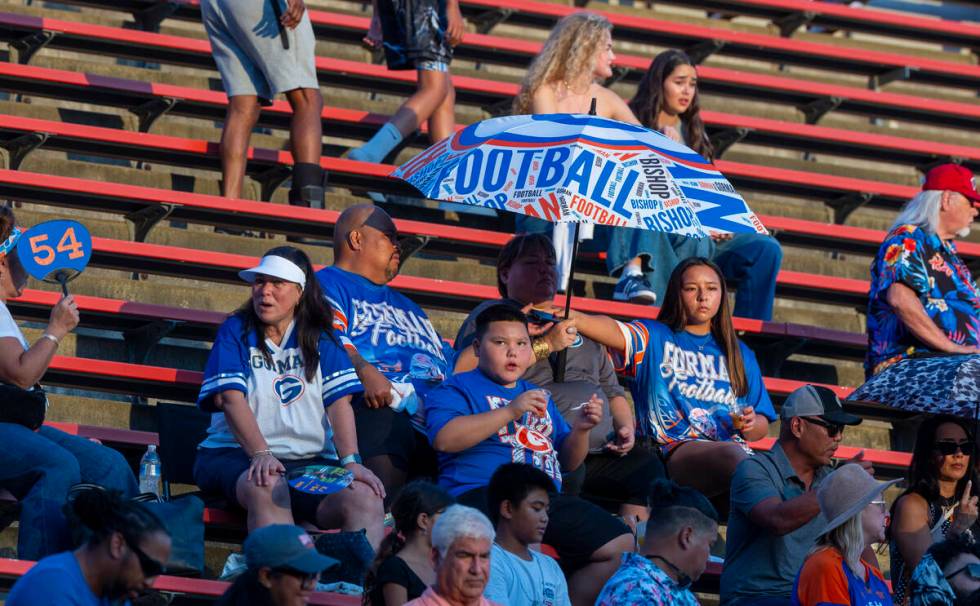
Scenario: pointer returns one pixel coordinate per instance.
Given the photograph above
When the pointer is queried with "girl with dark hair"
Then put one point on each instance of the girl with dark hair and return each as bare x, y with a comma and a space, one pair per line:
667, 101
39, 464
279, 386
941, 500
403, 566
697, 389
126, 548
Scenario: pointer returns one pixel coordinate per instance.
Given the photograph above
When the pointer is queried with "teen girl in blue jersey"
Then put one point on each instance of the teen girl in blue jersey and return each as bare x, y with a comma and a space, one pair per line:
697, 389
280, 385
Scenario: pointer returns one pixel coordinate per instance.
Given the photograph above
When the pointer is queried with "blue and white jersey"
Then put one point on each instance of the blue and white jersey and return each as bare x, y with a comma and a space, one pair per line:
388, 330
681, 388
531, 439
291, 411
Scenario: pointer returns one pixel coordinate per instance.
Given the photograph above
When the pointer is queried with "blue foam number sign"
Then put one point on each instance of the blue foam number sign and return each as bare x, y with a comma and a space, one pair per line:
55, 251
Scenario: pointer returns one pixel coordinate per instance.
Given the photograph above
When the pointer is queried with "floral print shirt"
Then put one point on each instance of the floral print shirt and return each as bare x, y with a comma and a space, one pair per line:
930, 267
639, 582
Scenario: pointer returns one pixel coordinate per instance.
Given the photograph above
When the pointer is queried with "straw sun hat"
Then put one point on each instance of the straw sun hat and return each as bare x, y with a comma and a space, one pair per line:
845, 492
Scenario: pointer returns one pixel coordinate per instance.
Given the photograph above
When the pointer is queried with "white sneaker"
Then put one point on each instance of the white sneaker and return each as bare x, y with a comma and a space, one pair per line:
234, 566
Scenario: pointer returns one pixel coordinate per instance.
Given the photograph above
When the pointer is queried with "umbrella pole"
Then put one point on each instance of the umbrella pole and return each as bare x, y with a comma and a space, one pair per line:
563, 354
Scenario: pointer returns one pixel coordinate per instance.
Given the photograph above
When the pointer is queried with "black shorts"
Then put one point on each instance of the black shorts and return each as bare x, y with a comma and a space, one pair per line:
384, 431
414, 33
576, 528
618, 480
216, 471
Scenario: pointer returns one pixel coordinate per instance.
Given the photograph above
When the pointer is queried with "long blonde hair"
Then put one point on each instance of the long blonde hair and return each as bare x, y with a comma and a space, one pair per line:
848, 539
568, 53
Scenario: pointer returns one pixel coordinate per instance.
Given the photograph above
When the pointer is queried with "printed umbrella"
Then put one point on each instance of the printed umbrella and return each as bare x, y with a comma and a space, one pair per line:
930, 383
581, 169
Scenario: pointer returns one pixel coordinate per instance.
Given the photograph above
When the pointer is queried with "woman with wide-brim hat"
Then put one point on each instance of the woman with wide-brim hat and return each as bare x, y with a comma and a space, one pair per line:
834, 572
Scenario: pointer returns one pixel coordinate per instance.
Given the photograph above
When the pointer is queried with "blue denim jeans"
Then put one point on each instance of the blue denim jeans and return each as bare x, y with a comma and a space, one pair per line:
39, 468
749, 261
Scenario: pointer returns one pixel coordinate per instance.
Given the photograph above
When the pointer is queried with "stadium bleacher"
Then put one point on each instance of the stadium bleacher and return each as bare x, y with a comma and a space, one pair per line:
111, 114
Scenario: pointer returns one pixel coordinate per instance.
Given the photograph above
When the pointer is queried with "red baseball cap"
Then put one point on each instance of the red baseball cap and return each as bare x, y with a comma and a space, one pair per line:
952, 177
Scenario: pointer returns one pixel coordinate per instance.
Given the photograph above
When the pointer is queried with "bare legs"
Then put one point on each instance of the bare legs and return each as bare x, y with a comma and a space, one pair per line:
350, 509
305, 136
435, 101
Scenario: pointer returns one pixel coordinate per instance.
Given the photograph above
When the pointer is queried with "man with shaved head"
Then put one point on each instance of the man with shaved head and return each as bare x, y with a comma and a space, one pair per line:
397, 353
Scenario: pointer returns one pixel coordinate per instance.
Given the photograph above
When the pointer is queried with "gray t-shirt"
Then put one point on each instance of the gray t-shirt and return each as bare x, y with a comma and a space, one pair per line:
757, 563
588, 370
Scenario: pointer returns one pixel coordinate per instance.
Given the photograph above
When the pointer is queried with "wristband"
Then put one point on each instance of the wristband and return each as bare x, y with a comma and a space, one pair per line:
258, 453
51, 337
540, 348
351, 458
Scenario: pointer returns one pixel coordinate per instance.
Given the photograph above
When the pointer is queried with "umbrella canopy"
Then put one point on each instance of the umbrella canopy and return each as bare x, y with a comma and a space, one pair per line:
582, 169
931, 384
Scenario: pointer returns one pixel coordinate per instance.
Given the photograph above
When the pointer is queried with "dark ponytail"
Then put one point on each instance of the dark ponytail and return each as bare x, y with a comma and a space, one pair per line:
94, 513
414, 499
313, 315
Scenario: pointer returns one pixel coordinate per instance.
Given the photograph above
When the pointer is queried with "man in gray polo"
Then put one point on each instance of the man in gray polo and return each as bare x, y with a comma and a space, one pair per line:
775, 517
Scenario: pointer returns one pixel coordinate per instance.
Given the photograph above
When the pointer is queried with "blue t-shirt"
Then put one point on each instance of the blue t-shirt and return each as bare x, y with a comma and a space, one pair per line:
681, 388
531, 439
289, 409
55, 581
387, 329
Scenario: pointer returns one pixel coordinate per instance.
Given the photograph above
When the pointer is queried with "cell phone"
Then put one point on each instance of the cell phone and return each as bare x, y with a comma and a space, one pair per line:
536, 316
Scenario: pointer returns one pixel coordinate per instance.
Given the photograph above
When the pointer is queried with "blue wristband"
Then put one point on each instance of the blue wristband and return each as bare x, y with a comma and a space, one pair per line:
351, 458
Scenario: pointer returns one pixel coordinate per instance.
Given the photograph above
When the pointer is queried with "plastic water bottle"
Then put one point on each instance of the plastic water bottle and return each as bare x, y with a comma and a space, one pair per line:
150, 471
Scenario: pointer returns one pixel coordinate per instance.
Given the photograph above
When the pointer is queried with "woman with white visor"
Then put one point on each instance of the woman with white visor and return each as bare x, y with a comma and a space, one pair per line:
279, 385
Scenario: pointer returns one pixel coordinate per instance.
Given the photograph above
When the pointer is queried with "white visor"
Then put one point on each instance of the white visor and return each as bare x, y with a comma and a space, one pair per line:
275, 267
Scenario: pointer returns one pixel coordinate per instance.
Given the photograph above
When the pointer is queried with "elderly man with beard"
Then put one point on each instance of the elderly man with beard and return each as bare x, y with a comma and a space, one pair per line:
395, 350
923, 298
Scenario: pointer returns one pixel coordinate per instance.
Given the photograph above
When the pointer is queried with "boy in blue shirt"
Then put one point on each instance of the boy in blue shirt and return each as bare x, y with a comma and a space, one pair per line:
484, 418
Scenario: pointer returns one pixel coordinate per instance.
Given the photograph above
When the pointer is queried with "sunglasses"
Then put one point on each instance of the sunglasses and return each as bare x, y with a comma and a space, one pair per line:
971, 569
833, 429
883, 505
949, 447
307, 580
150, 567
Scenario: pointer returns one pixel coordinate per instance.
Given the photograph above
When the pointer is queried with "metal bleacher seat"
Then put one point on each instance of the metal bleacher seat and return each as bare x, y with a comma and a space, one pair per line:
790, 15
199, 154
705, 40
